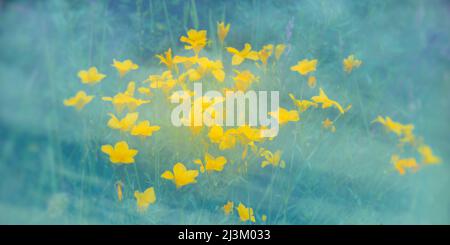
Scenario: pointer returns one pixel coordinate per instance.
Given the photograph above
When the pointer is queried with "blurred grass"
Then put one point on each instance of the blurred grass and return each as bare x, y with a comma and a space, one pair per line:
51, 169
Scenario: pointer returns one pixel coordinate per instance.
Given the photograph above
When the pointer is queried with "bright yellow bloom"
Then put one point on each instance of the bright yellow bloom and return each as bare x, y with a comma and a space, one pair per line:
124, 67
119, 191
351, 62
211, 163
126, 99
120, 153
323, 99
79, 100
279, 50
248, 135
144, 129
214, 163
273, 159
427, 155
167, 60
226, 140
244, 79
180, 175
206, 66
395, 127
228, 208
405, 163
222, 31
245, 213
284, 116
144, 199
265, 53
195, 40
312, 81
240, 56
302, 105
328, 124
91, 76
305, 66
125, 124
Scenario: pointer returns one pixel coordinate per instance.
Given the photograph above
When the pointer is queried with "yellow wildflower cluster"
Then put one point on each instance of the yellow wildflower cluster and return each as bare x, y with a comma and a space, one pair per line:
405, 135
194, 66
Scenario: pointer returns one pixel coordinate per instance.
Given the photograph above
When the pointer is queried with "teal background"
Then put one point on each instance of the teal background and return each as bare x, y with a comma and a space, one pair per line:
51, 168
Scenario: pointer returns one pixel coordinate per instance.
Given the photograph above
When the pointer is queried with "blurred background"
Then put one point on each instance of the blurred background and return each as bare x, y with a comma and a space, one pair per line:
51, 168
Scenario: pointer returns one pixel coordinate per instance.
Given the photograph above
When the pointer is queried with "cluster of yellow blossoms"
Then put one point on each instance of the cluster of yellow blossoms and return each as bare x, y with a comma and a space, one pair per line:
180, 70
405, 135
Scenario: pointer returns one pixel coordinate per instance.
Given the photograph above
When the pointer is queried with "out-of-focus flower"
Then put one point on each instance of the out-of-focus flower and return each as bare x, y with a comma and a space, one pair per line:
144, 199
273, 159
90, 76
351, 62
323, 99
124, 67
222, 31
312, 81
125, 124
305, 66
228, 207
245, 213
427, 155
402, 164
302, 105
167, 60
279, 50
79, 100
328, 124
284, 116
144, 129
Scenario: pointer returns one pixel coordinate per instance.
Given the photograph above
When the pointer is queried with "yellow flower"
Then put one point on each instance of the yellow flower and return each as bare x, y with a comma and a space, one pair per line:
79, 100
206, 66
211, 163
395, 127
248, 135
305, 66
226, 140
124, 67
243, 80
125, 124
228, 208
165, 81
312, 81
323, 99
284, 116
402, 164
119, 191
144, 199
264, 218
240, 56
91, 76
273, 159
222, 31
126, 99
302, 105
145, 90
144, 129
167, 60
245, 213
328, 124
279, 50
180, 175
351, 62
265, 53
214, 163
188, 62
120, 153
195, 40
427, 155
